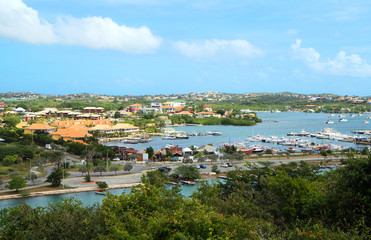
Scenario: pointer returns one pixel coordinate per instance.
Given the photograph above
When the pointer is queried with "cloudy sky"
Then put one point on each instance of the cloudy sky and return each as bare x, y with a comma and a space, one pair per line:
177, 46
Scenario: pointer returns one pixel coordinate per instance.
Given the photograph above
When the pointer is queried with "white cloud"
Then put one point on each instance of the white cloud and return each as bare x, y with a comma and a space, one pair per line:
22, 23
343, 64
210, 48
103, 33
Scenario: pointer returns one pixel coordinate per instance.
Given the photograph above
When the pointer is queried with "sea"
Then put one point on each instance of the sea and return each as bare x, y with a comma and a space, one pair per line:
274, 124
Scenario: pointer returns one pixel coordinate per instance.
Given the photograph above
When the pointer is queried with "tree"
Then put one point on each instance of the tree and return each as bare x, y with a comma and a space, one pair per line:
17, 182
187, 160
55, 177
9, 160
82, 169
215, 169
11, 121
100, 169
188, 172
102, 185
150, 152
31, 176
128, 167
117, 115
114, 169
56, 157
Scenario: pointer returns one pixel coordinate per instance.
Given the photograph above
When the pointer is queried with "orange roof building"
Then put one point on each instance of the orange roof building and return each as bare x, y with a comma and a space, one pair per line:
70, 134
39, 127
81, 123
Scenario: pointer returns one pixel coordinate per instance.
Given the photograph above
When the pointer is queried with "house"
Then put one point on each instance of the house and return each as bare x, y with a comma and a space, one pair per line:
156, 104
179, 108
167, 109
208, 108
2, 105
44, 127
207, 148
135, 107
207, 114
178, 103
184, 113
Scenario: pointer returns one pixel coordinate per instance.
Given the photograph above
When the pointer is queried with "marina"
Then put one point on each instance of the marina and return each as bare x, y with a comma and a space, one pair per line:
277, 128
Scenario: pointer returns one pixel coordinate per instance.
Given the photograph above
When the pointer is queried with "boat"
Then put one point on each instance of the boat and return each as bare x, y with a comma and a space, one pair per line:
214, 133
292, 134
101, 192
365, 121
329, 122
189, 182
181, 136
343, 120
131, 140
169, 137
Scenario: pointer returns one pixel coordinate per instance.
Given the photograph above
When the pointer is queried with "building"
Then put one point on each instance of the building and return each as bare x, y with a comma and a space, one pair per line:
135, 107
43, 127
178, 103
118, 128
156, 104
70, 134
93, 110
208, 108
207, 114
167, 109
2, 105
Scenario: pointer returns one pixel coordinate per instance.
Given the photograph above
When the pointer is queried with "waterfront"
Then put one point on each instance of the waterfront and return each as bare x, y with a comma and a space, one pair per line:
87, 198
274, 124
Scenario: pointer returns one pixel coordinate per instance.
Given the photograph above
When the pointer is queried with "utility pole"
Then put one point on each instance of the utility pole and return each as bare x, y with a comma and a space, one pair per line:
107, 160
30, 170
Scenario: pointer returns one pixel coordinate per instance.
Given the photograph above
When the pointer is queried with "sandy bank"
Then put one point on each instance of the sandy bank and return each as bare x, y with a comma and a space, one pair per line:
63, 191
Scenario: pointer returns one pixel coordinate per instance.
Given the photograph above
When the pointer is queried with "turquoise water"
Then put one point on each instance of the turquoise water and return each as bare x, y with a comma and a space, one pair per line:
87, 198
287, 122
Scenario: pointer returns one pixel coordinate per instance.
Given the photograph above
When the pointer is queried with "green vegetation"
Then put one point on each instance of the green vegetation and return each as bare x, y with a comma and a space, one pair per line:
17, 182
55, 178
240, 121
290, 201
188, 172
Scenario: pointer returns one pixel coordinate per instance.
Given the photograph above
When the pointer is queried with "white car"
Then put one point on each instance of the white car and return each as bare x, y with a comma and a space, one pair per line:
224, 165
116, 159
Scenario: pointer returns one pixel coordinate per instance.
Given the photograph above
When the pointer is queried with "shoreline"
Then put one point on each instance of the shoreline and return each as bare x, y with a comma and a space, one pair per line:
65, 191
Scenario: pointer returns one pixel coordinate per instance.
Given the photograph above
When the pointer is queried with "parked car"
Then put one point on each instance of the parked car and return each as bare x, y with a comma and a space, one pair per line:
202, 166
164, 169
224, 165
229, 164
48, 147
196, 166
116, 159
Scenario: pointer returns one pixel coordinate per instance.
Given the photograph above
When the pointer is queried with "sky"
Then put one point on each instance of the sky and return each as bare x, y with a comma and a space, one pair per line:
140, 47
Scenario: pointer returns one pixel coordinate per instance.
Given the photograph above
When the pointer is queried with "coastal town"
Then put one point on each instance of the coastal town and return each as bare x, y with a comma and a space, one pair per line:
116, 136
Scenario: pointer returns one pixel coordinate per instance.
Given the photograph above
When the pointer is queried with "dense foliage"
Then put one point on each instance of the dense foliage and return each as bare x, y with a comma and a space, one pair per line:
293, 201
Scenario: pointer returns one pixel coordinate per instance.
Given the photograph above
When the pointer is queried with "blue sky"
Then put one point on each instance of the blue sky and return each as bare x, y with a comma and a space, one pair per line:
176, 46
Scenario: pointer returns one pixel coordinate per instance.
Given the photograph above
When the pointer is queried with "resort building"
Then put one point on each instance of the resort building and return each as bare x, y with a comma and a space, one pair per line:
44, 127
93, 110
118, 128
70, 134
